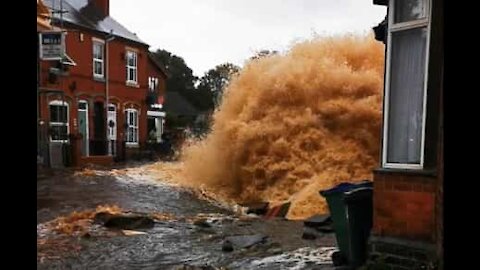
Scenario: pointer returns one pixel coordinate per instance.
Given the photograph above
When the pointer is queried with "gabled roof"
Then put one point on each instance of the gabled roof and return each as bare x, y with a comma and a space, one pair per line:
158, 64
81, 13
177, 104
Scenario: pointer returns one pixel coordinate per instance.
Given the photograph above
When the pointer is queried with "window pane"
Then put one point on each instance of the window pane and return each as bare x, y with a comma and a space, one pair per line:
130, 59
63, 114
54, 113
82, 105
58, 132
410, 10
98, 67
130, 75
58, 113
130, 135
98, 50
405, 102
130, 121
95, 51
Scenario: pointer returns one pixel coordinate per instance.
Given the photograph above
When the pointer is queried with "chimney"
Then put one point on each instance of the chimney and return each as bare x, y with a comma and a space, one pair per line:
103, 6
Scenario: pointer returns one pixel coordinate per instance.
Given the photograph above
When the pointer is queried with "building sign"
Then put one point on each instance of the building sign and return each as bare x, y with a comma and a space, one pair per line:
51, 45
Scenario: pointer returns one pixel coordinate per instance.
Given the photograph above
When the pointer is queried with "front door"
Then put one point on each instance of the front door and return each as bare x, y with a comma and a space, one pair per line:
83, 125
99, 146
112, 129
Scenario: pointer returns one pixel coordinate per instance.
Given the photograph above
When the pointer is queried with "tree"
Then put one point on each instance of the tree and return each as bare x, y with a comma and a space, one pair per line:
183, 81
217, 79
263, 53
181, 76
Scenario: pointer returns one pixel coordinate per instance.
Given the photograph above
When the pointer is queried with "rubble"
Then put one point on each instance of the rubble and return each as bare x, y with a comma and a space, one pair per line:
125, 221
257, 208
242, 241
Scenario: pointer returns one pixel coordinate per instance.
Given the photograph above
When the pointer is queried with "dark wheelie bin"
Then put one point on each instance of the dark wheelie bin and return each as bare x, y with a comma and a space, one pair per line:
350, 207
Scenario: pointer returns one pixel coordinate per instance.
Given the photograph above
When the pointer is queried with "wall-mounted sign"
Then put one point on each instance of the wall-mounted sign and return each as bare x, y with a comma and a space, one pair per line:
52, 45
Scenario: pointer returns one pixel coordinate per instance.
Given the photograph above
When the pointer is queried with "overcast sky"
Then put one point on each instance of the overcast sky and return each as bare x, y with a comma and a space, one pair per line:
210, 32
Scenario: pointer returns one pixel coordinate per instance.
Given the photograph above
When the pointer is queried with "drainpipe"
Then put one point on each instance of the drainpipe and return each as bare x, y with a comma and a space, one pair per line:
38, 94
108, 38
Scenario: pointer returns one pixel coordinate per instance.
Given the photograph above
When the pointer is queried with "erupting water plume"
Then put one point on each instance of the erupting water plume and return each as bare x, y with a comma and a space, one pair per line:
291, 125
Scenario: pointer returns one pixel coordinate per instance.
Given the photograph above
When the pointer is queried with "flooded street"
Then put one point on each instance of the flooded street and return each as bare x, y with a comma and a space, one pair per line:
174, 243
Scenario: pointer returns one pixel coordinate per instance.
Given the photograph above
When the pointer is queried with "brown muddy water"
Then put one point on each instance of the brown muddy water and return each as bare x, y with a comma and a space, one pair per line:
170, 243
295, 123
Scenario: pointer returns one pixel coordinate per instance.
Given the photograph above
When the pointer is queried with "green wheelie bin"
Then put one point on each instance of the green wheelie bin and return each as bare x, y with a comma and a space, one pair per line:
351, 209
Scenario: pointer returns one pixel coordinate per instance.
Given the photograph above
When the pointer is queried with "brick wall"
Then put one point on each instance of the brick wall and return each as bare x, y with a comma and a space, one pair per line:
399, 254
80, 83
439, 203
404, 206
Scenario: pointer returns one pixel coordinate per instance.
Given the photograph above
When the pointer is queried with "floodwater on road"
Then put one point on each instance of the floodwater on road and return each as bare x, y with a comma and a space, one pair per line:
170, 244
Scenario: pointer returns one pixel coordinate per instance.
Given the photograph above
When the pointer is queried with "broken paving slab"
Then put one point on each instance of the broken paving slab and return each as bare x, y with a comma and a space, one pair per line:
257, 208
243, 241
202, 222
318, 220
132, 233
322, 223
124, 221
278, 211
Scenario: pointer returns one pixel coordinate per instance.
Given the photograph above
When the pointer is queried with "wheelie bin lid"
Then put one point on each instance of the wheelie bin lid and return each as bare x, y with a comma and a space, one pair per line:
345, 186
358, 194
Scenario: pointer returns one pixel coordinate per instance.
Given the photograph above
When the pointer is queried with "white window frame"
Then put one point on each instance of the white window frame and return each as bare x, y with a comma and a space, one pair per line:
152, 84
94, 60
83, 101
112, 115
57, 124
134, 67
392, 28
135, 127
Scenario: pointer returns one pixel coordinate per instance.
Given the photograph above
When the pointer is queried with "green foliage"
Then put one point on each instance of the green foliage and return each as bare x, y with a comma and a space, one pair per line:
217, 79
181, 76
183, 81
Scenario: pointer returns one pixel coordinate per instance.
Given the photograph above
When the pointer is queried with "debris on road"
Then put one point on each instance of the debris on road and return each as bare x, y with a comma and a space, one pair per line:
242, 241
132, 233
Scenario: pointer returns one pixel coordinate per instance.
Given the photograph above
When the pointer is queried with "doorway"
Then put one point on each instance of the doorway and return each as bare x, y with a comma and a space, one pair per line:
83, 125
112, 129
99, 145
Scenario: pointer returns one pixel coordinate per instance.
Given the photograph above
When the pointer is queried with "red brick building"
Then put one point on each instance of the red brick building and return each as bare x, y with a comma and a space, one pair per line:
104, 88
408, 186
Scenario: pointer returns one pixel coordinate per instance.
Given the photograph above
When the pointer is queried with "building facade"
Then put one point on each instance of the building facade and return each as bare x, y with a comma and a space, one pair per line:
97, 98
408, 185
